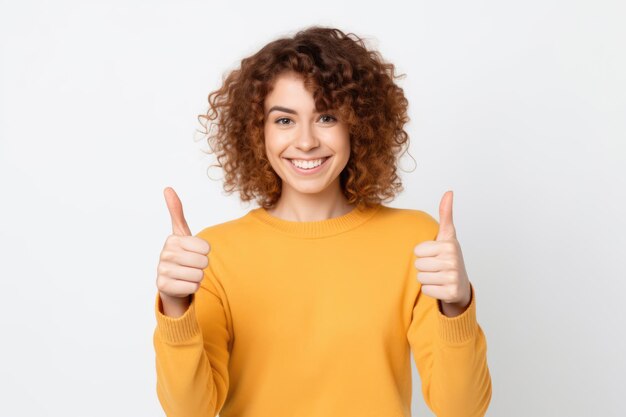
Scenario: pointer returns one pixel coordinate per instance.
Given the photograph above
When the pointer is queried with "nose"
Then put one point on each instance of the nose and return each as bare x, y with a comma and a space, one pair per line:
306, 138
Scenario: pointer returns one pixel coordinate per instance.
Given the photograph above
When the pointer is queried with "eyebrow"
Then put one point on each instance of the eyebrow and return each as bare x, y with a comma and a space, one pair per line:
280, 108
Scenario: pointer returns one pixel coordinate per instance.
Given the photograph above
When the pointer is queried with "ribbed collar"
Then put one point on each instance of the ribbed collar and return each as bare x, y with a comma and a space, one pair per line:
316, 229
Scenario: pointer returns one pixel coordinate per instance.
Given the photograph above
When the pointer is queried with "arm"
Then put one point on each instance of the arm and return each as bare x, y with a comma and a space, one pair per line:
451, 357
192, 355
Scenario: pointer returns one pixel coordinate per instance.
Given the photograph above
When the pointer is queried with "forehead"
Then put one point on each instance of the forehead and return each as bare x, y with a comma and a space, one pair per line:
288, 86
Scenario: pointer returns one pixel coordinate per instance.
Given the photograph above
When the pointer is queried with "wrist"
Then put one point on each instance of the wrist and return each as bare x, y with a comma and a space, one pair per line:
456, 308
174, 306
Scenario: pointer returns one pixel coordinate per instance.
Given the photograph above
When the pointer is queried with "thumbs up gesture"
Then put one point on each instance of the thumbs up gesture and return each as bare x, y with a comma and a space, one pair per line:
441, 266
182, 261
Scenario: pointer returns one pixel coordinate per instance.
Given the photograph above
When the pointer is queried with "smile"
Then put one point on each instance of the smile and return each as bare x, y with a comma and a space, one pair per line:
305, 170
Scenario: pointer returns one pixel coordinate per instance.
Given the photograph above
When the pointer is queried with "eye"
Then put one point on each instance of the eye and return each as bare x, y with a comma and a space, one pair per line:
283, 118
328, 115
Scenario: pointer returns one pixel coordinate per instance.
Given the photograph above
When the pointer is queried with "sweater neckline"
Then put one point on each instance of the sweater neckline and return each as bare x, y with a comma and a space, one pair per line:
318, 228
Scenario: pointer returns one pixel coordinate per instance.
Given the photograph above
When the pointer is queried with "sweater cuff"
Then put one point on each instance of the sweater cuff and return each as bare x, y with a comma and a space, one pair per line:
461, 328
177, 330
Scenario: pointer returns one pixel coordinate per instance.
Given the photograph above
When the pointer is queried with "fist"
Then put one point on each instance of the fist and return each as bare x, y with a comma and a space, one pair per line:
441, 266
183, 257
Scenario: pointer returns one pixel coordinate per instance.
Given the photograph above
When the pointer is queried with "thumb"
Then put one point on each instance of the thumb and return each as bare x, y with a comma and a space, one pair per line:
446, 226
175, 207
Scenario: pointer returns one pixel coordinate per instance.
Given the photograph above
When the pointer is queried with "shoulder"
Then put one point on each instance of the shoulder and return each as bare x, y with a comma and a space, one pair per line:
414, 221
224, 229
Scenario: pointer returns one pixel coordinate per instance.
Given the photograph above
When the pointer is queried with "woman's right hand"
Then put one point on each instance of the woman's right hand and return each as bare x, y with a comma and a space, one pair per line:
182, 261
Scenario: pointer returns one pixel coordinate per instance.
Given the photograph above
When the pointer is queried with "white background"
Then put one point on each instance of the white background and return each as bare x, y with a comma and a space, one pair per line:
518, 107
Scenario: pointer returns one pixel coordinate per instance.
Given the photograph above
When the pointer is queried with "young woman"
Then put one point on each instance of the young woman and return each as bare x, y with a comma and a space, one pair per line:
311, 304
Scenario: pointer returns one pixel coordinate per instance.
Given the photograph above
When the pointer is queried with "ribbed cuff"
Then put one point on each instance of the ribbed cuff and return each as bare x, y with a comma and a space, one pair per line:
180, 329
459, 329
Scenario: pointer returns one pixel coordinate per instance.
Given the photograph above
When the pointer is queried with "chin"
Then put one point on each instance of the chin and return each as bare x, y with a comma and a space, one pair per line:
307, 190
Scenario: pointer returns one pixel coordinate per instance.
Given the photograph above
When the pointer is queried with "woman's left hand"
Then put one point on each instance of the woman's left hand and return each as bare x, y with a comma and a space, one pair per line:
441, 266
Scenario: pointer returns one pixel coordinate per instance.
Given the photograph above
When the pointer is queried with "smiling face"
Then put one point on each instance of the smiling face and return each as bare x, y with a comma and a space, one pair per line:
295, 131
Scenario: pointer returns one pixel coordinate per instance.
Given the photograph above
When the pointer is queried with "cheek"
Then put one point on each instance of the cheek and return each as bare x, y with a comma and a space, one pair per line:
273, 152
343, 146
270, 143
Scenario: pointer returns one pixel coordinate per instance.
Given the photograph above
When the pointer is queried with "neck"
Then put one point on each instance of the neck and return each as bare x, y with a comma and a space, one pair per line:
308, 207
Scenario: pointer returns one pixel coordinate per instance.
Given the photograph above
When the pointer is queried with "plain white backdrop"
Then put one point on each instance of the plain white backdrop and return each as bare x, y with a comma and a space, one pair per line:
518, 107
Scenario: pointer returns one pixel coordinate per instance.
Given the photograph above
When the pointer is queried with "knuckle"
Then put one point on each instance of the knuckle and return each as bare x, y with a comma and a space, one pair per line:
453, 292
161, 285
166, 255
165, 270
198, 275
171, 240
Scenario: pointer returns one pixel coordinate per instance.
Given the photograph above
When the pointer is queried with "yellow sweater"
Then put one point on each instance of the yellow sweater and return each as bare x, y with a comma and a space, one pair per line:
318, 319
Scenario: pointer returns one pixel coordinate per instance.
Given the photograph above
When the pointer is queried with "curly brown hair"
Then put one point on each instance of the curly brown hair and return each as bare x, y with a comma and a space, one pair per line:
344, 76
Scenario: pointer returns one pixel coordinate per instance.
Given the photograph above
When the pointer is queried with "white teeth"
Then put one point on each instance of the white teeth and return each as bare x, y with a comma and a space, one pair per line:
307, 164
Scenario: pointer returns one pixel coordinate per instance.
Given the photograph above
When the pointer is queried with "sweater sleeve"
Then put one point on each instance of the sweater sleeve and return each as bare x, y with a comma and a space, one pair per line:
451, 357
192, 353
